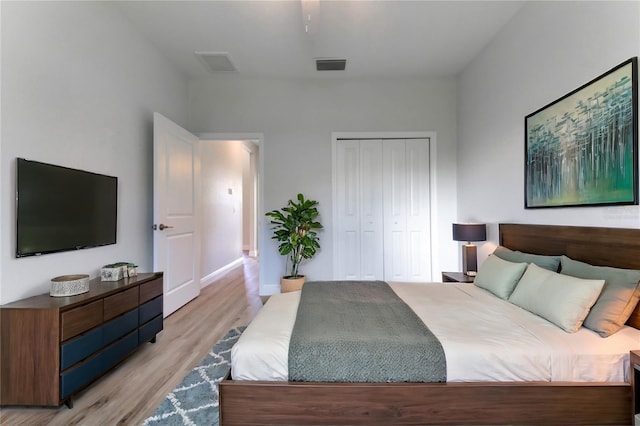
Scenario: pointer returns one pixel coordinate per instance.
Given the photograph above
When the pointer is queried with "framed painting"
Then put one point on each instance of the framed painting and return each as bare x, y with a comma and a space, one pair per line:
582, 150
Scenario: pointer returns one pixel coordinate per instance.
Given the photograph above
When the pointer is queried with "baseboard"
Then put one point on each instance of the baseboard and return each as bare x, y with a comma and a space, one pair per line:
207, 280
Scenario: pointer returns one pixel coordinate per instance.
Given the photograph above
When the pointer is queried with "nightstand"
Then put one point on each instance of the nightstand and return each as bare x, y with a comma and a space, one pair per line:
456, 277
634, 376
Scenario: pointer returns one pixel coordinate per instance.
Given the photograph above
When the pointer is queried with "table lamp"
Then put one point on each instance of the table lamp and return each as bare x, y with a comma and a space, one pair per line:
469, 232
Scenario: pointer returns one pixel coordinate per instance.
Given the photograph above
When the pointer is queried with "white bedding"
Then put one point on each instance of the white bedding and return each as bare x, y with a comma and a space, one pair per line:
484, 339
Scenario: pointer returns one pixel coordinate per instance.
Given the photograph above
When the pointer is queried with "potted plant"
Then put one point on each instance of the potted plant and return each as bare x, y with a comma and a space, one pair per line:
294, 228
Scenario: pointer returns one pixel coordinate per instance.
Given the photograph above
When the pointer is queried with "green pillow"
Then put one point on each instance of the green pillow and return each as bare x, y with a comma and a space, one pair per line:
547, 262
499, 276
619, 296
560, 299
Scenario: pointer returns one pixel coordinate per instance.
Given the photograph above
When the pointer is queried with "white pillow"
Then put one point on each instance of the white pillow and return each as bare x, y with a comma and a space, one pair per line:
560, 299
499, 276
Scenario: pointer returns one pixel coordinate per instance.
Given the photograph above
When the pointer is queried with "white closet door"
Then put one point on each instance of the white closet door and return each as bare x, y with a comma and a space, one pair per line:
407, 238
371, 243
348, 209
359, 210
382, 210
418, 211
395, 210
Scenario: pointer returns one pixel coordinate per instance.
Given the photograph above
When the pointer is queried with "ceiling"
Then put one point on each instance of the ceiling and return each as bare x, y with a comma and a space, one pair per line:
268, 38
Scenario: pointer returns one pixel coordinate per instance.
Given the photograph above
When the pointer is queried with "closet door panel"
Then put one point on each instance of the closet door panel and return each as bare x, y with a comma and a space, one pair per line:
348, 209
371, 257
418, 218
416, 264
395, 209
371, 210
350, 258
395, 260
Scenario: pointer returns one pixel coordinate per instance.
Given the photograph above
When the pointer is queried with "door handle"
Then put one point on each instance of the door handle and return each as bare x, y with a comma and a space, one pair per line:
161, 227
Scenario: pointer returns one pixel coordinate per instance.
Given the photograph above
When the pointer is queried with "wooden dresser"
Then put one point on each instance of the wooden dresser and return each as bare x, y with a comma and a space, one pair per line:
53, 347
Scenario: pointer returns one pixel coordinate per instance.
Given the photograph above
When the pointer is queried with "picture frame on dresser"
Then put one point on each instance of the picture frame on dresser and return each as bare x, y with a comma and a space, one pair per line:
582, 149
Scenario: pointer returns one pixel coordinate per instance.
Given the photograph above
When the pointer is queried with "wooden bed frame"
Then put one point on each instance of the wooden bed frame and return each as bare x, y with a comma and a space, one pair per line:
301, 403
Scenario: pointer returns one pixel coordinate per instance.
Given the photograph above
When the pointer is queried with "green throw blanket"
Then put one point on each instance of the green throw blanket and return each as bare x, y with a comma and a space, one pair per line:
351, 331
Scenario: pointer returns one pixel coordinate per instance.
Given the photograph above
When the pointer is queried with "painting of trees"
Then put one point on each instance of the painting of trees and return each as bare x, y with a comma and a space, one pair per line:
582, 149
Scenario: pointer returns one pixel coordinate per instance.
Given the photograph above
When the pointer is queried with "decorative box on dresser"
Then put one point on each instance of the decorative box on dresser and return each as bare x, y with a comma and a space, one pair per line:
53, 347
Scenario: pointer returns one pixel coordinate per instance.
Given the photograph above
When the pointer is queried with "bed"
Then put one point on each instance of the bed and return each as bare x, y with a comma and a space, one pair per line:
507, 401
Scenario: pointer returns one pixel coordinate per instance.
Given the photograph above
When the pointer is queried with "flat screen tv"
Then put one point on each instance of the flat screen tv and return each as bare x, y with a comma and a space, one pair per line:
61, 209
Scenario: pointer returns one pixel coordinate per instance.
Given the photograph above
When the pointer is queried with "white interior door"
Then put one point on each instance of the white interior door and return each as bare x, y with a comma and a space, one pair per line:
175, 236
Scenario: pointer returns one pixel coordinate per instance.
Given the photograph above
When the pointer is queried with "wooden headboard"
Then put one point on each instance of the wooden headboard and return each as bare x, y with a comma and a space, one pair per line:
617, 247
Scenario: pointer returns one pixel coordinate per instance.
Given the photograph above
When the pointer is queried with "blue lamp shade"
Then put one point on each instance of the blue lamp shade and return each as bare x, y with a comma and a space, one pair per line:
469, 232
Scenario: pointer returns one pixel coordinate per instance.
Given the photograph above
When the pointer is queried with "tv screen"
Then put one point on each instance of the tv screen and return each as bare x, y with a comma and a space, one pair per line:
61, 209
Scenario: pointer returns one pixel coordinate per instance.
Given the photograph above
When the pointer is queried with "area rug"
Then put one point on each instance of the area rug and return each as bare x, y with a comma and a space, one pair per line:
194, 402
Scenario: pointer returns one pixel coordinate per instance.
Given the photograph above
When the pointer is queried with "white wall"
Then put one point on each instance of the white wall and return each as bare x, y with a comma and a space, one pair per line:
221, 230
297, 118
79, 87
547, 50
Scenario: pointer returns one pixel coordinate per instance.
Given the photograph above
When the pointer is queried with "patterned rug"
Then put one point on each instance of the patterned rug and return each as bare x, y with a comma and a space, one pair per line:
194, 402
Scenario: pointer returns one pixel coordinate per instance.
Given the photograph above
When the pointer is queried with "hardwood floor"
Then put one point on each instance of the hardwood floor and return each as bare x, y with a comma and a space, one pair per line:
132, 391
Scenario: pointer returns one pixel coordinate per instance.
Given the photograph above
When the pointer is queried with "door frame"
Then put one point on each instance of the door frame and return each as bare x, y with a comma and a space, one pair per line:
432, 137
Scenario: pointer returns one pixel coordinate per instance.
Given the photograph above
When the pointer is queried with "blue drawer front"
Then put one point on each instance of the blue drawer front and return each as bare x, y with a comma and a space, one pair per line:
150, 309
120, 326
76, 378
119, 350
150, 329
80, 348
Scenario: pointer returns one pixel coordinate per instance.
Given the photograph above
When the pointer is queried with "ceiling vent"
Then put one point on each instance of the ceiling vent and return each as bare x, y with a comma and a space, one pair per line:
216, 62
331, 64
